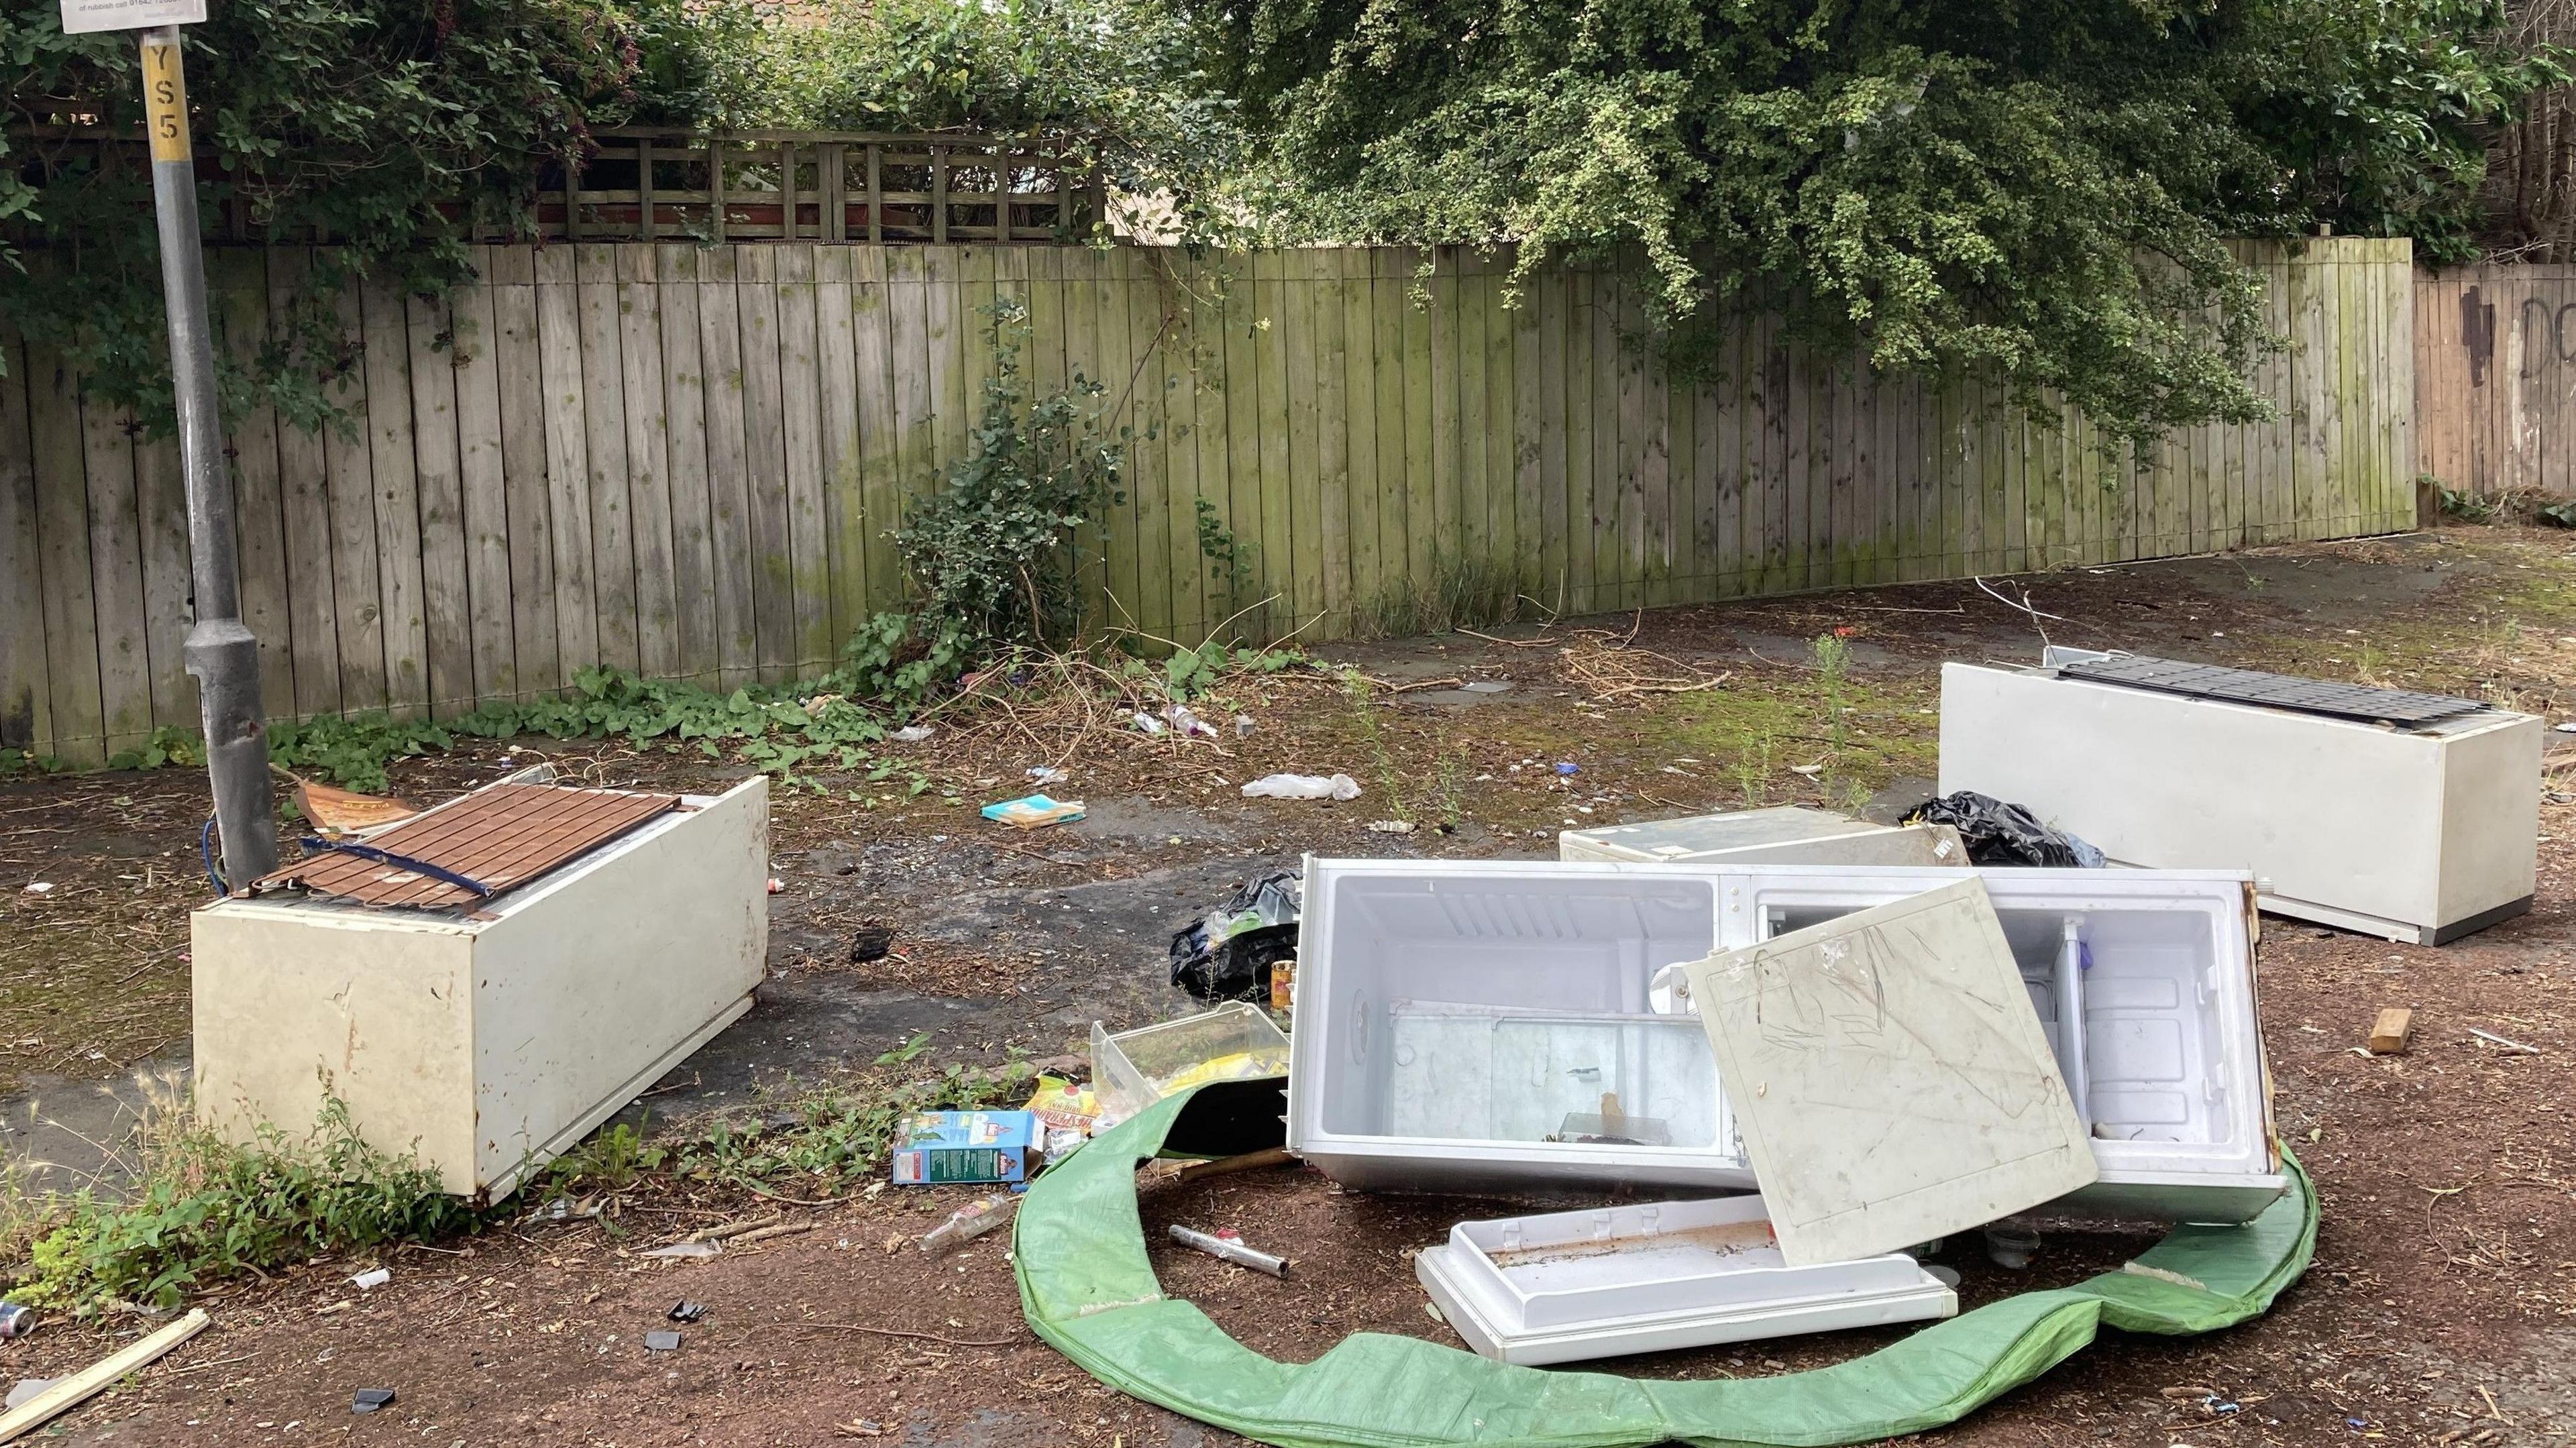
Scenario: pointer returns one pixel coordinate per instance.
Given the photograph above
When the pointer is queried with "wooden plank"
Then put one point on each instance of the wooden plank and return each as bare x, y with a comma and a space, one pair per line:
26, 696
1242, 479
1504, 476
528, 482
68, 1393
1428, 543
116, 572
603, 415
1301, 378
837, 393
391, 463
720, 349
1440, 354
1838, 418
1402, 559
1645, 455
1783, 479
161, 506
2309, 361
1360, 428
1528, 416
800, 378
948, 345
483, 487
1328, 308
880, 480
68, 597
304, 490
446, 593
643, 402
765, 455
1577, 580
908, 289
568, 470
2399, 279
1065, 341
1730, 398
238, 282
1272, 429
2390, 1031
1162, 284
685, 412
1108, 322
1802, 470
1610, 568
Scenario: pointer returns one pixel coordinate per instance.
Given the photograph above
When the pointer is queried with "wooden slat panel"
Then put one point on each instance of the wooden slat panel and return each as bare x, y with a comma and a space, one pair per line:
161, 508
1359, 428
528, 483
800, 379
483, 488
237, 280
720, 334
642, 386
1327, 311
437, 441
568, 520
610, 469
1277, 575
837, 393
392, 462
881, 482
26, 696
72, 652
686, 409
1303, 484
765, 458
116, 572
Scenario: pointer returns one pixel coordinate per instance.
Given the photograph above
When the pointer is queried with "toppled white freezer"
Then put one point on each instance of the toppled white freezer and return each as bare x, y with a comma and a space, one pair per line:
2420, 830
1781, 835
1466, 1025
1652, 1277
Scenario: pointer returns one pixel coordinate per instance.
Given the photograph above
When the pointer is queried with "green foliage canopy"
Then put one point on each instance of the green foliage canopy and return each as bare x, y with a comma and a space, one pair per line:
2040, 189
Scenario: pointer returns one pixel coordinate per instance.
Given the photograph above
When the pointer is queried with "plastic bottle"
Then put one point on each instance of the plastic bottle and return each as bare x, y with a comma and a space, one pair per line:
969, 1222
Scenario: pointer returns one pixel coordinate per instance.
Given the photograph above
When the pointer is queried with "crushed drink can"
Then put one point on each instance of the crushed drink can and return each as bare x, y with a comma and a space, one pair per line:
16, 1320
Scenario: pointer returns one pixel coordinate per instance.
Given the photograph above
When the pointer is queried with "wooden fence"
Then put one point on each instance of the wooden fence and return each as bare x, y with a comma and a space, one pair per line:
684, 459
2495, 378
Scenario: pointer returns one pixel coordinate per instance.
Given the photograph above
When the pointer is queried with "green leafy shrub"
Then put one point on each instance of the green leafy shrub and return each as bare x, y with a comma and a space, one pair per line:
204, 1210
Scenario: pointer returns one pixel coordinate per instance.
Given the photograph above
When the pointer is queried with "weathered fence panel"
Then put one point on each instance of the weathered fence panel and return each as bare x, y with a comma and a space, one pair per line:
685, 459
2495, 378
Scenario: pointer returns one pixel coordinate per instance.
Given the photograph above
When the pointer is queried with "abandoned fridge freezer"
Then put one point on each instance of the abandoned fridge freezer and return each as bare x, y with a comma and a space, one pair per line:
1467, 1025
1463, 1026
2143, 981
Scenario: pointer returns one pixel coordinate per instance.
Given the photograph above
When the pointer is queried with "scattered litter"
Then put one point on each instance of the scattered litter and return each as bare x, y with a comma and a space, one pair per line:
861, 1428
1190, 725
1303, 786
2389, 1033
871, 942
687, 1249
1283, 985
1391, 827
1134, 1069
1047, 774
1034, 811
1226, 954
2565, 726
65, 1394
821, 704
565, 1209
1486, 686
912, 734
1060, 1105
777, 886
1243, 726
46, 887
1569, 1286
933, 1147
661, 1342
370, 1281
969, 1222
686, 1311
2501, 1041
1567, 768
1997, 833
1149, 723
16, 1320
368, 1400
335, 811
26, 1391
1234, 1252
1809, 770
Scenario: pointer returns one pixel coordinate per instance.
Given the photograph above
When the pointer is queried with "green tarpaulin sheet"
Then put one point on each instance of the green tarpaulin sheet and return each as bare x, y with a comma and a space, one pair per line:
1088, 1289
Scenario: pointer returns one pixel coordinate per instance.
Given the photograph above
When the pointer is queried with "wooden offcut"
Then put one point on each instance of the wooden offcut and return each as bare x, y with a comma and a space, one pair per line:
2390, 1033
90, 1381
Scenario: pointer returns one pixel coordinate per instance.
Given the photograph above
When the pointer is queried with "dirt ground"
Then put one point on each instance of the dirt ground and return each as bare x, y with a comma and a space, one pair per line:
2438, 1310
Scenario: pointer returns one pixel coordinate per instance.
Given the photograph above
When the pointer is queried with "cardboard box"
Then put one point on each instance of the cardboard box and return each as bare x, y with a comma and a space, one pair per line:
937, 1147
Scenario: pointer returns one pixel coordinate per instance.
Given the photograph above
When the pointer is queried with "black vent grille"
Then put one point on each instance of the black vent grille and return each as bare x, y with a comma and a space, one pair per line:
2272, 691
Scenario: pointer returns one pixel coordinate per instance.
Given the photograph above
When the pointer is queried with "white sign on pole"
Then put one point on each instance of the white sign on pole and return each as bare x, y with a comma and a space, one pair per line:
83, 17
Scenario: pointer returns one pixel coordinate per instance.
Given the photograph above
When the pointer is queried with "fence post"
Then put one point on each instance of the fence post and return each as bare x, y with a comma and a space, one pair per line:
715, 190
644, 186
939, 193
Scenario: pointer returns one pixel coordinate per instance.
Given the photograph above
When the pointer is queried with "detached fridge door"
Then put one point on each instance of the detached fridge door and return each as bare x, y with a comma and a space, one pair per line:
1888, 1075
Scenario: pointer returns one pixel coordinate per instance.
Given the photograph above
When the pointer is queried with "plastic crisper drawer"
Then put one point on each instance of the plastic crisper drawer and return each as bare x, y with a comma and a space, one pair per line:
1482, 1024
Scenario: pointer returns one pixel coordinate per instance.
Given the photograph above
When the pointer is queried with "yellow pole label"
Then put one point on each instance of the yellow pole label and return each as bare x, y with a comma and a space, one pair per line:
165, 102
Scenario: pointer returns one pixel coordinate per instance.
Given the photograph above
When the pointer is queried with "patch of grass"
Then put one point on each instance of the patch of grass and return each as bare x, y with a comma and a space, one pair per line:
1864, 731
1356, 688
1460, 593
203, 1209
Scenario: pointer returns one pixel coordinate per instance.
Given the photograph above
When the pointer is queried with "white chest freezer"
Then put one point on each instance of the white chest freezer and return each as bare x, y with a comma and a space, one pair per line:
2419, 829
1475, 1025
1781, 835
485, 1043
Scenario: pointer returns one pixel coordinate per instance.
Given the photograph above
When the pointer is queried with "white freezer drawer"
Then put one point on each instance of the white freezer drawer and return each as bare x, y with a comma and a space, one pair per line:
1421, 983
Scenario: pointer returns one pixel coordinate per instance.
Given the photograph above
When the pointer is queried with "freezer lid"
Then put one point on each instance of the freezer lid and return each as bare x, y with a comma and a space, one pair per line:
1889, 1078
